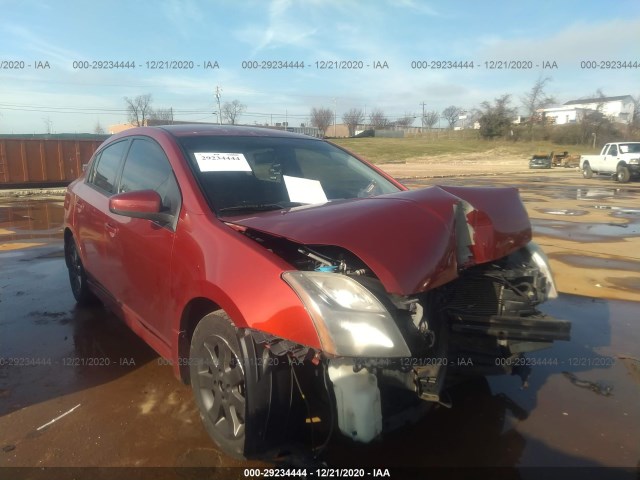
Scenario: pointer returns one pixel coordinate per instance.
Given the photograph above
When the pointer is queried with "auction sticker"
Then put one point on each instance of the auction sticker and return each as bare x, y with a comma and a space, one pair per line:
222, 162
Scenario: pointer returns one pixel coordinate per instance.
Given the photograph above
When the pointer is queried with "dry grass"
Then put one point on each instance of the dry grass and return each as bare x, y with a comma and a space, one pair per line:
408, 149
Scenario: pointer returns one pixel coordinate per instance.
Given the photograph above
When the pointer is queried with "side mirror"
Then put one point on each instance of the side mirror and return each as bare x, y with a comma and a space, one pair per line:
145, 204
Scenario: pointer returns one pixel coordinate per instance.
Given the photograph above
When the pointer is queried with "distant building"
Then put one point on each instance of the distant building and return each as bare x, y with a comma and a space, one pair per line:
618, 109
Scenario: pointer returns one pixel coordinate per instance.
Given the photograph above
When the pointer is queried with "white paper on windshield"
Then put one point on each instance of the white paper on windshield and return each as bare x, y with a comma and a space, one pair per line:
304, 190
222, 162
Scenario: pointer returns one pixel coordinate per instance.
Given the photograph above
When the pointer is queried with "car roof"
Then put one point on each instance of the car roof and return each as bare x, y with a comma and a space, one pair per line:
190, 130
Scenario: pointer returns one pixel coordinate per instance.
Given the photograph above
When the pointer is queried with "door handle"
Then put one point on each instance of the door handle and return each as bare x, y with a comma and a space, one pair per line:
112, 230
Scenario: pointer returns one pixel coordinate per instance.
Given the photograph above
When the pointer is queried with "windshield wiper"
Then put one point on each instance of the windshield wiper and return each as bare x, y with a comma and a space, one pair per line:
256, 207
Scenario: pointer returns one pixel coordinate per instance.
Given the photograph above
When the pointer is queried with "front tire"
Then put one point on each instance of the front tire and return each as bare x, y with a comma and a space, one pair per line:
586, 171
218, 380
623, 175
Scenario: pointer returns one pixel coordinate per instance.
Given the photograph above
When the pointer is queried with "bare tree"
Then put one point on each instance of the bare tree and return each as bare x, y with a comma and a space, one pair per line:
47, 123
164, 115
139, 109
321, 118
352, 119
594, 124
232, 110
429, 119
451, 114
98, 130
634, 121
378, 119
404, 121
536, 99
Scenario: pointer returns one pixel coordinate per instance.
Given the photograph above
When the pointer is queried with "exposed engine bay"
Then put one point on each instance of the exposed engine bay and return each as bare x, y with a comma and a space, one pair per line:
480, 323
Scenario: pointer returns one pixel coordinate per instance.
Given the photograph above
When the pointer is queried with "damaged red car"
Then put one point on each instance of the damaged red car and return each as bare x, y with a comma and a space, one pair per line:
297, 287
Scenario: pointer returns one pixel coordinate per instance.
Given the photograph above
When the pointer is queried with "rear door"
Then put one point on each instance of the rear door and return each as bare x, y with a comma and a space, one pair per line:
141, 248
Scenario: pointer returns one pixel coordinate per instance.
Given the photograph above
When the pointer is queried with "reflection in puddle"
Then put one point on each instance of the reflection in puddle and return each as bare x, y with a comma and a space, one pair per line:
601, 193
31, 219
629, 284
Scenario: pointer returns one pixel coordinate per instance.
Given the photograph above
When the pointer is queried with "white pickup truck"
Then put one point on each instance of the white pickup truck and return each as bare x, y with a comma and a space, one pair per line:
621, 160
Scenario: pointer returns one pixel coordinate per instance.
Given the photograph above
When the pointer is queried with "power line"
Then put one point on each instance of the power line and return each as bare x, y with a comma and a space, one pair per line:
19, 107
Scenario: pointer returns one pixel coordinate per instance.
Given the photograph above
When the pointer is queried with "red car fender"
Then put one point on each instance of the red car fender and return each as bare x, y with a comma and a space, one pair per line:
215, 267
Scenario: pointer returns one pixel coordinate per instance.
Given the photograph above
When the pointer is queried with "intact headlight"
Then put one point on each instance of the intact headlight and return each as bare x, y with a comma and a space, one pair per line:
634, 161
541, 260
349, 319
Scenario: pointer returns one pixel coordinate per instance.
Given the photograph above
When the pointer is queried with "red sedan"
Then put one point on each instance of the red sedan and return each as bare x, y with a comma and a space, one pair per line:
296, 286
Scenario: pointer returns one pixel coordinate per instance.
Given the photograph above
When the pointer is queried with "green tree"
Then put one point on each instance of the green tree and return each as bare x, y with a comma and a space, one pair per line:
496, 119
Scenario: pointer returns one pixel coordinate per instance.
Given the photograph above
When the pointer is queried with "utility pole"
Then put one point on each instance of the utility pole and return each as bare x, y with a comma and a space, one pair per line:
218, 93
423, 105
334, 117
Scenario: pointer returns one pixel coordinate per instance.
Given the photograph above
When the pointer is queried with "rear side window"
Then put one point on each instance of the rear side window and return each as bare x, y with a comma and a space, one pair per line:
148, 168
104, 173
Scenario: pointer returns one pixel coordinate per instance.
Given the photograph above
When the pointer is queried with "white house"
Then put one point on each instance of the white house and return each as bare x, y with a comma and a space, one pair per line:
618, 109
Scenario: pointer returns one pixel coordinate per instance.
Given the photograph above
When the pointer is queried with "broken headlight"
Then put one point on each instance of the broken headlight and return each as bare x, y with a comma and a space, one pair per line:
349, 319
540, 259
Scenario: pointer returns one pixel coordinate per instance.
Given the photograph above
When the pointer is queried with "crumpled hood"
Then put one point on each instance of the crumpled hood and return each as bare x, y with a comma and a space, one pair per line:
412, 240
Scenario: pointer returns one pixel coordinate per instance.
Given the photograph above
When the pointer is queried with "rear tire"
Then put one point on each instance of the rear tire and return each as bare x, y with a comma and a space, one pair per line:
77, 275
586, 171
623, 175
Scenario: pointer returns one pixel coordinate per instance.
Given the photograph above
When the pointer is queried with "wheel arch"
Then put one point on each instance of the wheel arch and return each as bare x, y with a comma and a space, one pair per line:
68, 236
193, 312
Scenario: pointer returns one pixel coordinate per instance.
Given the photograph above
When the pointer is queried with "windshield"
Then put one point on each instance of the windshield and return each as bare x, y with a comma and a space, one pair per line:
264, 173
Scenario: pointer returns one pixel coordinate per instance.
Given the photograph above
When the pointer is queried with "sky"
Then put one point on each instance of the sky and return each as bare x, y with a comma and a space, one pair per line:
55, 74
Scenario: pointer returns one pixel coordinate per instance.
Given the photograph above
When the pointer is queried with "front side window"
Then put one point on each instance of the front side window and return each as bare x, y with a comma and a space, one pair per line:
148, 168
104, 172
262, 173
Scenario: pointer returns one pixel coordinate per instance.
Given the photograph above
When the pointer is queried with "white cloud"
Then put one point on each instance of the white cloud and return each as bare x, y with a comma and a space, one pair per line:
415, 6
183, 15
30, 41
611, 40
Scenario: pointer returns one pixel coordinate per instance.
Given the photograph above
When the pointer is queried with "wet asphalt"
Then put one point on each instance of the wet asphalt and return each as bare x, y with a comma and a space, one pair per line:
125, 408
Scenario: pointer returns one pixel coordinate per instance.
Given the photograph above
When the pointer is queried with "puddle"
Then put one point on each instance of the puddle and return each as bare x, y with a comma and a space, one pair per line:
31, 219
566, 211
603, 193
585, 232
629, 284
597, 263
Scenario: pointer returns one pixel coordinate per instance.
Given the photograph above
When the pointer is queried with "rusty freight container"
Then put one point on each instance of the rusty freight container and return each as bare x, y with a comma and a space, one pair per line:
26, 162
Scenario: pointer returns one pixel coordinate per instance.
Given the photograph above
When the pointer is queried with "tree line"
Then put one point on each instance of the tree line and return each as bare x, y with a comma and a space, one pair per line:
495, 118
